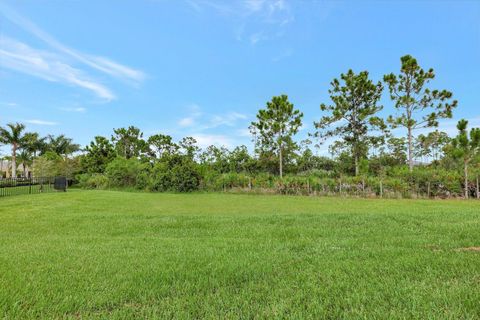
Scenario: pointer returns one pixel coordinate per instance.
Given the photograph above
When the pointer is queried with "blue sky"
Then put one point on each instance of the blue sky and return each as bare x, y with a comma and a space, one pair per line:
203, 68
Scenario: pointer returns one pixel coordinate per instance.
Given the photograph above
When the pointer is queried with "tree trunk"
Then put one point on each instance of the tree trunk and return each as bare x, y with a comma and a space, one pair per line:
280, 156
356, 165
465, 171
14, 160
410, 149
478, 190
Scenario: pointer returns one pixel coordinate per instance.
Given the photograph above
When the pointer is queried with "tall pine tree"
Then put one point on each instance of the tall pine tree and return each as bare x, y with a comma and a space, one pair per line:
418, 107
353, 114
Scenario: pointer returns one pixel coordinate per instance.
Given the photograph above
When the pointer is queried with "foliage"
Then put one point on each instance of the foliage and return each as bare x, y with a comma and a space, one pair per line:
122, 172
419, 107
15, 136
162, 145
128, 142
61, 145
45, 166
176, 173
275, 127
353, 115
465, 147
92, 181
98, 154
366, 160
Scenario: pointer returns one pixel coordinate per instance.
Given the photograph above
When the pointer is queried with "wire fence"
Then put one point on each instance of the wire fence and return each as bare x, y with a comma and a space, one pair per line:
368, 187
33, 185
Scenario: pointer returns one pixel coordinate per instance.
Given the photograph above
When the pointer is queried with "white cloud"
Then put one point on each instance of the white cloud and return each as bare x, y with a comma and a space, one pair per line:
74, 109
256, 37
9, 104
20, 57
186, 122
228, 119
198, 124
204, 121
284, 55
256, 20
55, 66
194, 112
244, 132
272, 11
254, 5
205, 140
100, 63
41, 122
450, 126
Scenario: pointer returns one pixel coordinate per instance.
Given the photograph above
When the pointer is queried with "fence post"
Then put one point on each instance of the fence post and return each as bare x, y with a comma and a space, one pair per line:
381, 189
30, 186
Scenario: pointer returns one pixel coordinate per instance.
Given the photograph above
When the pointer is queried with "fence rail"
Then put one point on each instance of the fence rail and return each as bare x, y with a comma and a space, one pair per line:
17, 186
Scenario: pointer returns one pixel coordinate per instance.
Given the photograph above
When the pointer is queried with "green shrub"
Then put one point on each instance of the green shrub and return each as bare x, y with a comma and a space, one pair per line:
92, 181
185, 177
123, 172
143, 180
176, 173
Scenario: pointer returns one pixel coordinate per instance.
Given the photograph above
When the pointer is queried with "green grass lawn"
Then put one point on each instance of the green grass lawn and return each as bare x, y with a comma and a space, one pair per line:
105, 254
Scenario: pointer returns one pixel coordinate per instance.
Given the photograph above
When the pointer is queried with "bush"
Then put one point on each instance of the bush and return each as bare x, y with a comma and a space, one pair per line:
185, 178
92, 181
143, 180
177, 173
160, 177
123, 172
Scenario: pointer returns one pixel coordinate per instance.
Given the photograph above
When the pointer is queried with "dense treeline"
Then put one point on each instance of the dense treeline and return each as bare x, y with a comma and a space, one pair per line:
367, 159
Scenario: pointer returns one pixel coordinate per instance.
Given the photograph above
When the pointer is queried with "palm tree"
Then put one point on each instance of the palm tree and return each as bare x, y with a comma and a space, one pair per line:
14, 136
62, 145
25, 159
34, 144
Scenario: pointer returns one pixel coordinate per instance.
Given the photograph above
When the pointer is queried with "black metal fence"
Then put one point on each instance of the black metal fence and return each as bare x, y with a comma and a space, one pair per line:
17, 186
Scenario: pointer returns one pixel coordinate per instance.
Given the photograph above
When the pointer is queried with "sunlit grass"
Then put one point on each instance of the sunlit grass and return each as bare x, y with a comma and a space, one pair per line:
97, 254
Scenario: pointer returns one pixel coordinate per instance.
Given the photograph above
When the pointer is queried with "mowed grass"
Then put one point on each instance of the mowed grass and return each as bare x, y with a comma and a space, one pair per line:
105, 254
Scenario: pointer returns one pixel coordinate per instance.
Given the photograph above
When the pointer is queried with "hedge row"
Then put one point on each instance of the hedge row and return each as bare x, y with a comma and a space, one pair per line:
181, 175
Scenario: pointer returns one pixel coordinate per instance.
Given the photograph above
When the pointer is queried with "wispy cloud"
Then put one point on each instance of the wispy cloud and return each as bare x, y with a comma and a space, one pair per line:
256, 20
186, 122
271, 11
228, 119
9, 104
55, 66
74, 109
205, 140
284, 55
20, 57
41, 122
449, 126
244, 132
194, 113
212, 129
204, 121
